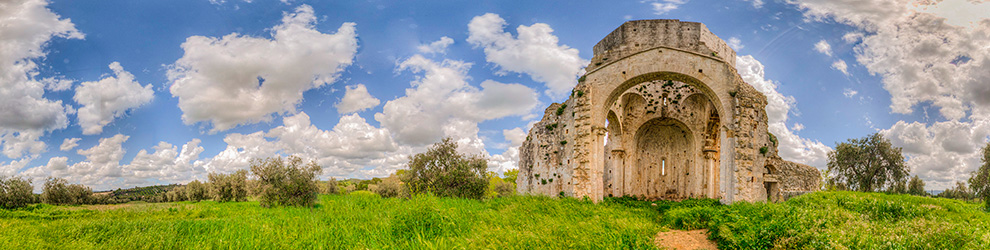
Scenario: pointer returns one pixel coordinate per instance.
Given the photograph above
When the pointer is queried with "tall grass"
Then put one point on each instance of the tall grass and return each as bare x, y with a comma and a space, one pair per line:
841, 220
359, 220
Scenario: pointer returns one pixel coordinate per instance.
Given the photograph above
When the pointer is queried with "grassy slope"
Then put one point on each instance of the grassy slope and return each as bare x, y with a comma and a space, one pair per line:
823, 220
841, 220
360, 220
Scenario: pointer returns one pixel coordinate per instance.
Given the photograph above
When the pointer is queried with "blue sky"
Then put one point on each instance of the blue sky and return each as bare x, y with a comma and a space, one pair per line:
126, 93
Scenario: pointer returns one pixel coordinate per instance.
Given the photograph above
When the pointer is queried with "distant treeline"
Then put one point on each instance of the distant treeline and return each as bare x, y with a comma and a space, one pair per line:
288, 182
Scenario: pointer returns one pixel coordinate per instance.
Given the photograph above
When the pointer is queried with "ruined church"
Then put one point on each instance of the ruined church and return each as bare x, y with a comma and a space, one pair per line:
660, 114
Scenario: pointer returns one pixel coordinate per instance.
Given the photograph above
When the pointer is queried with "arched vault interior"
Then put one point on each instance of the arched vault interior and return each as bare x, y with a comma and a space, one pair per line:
662, 142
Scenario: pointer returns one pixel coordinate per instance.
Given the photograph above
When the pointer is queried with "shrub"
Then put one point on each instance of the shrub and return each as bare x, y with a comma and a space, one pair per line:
444, 172
15, 192
390, 187
504, 188
286, 182
498, 187
560, 110
227, 187
332, 187
196, 191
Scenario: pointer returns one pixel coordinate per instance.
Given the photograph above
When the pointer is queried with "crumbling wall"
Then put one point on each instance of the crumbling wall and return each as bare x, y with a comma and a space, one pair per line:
545, 156
795, 178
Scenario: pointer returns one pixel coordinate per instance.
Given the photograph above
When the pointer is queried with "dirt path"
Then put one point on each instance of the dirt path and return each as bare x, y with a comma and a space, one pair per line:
684, 240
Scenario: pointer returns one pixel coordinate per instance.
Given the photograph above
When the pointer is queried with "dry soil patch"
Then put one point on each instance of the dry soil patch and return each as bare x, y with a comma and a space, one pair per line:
684, 240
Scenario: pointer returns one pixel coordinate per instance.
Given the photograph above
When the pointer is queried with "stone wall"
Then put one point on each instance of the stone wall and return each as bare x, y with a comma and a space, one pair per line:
796, 178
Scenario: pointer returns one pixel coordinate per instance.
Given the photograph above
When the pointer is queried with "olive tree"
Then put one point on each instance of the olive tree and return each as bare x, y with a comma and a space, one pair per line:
443, 171
229, 187
286, 182
916, 186
15, 192
868, 164
390, 187
196, 191
176, 194
57, 191
332, 187
979, 182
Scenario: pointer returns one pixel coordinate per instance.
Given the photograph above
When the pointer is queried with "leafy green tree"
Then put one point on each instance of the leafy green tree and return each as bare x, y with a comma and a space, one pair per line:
917, 186
960, 192
444, 172
15, 192
196, 191
286, 182
868, 164
227, 187
511, 175
979, 182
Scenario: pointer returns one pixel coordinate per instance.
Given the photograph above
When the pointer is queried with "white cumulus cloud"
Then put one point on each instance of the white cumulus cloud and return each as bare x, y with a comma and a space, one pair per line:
925, 55
105, 100
26, 114
69, 144
443, 103
791, 146
356, 99
437, 47
534, 52
841, 66
661, 7
823, 47
236, 79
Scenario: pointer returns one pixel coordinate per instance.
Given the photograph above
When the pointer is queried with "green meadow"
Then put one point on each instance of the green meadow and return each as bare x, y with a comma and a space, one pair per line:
363, 220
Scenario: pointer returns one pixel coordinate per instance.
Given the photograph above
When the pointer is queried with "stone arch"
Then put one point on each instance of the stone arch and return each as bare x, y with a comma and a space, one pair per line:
632, 107
614, 171
616, 93
664, 159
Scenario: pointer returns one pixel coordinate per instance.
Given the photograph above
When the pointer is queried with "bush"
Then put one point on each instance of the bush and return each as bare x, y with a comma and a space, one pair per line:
390, 187
444, 172
332, 187
286, 183
498, 187
503, 188
196, 191
15, 192
227, 187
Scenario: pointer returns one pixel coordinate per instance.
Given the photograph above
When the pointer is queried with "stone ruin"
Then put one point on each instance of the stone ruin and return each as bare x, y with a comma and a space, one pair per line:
660, 114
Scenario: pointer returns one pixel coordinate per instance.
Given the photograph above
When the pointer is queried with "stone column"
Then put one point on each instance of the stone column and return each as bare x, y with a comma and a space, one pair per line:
619, 172
711, 155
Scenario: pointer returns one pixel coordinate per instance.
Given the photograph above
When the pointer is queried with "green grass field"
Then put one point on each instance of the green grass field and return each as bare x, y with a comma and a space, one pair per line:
823, 220
359, 220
